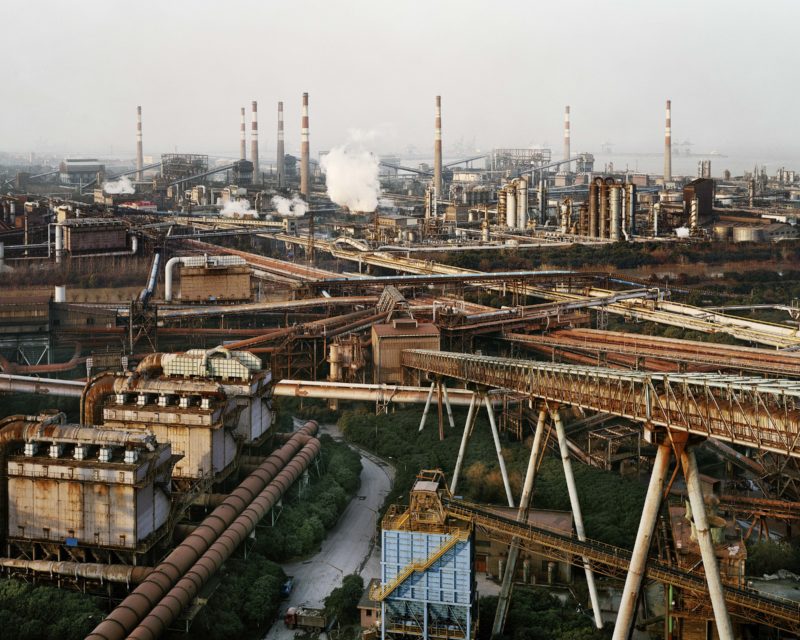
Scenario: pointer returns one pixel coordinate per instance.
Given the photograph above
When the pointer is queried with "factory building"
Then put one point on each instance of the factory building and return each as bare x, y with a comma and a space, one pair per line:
77, 492
78, 171
427, 586
389, 340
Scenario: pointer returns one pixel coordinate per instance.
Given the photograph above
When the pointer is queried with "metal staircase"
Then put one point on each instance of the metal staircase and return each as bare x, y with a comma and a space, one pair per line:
379, 592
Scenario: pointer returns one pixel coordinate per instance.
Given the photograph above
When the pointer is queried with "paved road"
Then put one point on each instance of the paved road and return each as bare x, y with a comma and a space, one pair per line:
348, 548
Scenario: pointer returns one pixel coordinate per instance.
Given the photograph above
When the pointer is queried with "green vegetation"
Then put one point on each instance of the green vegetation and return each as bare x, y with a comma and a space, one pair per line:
535, 614
343, 601
768, 557
30, 612
395, 437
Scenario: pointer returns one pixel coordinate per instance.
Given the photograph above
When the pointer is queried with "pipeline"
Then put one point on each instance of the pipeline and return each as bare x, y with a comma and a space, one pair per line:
69, 365
177, 564
172, 604
123, 573
45, 386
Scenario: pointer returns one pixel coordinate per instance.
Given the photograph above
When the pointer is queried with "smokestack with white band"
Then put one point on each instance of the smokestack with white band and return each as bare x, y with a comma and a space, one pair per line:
279, 159
437, 150
566, 138
139, 156
668, 144
242, 139
254, 145
304, 150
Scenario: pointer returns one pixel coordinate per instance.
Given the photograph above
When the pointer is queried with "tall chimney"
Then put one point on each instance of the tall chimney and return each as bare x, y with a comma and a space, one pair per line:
437, 150
254, 144
304, 150
566, 138
139, 157
668, 144
242, 139
280, 159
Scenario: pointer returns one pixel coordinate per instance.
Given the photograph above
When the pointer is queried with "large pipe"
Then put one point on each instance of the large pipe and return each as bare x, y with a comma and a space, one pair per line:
139, 153
369, 393
577, 514
280, 161
123, 573
647, 524
170, 606
242, 138
566, 136
668, 144
254, 144
437, 150
707, 552
141, 601
522, 516
10, 383
305, 153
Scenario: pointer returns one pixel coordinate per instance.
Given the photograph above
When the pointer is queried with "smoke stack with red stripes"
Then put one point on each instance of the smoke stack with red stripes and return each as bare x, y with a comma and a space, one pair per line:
139, 156
437, 150
279, 159
254, 144
242, 139
304, 150
566, 138
668, 144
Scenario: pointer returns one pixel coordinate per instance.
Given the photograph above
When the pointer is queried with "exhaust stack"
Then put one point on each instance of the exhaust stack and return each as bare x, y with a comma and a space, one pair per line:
242, 139
437, 150
304, 150
668, 144
254, 144
566, 139
279, 159
139, 156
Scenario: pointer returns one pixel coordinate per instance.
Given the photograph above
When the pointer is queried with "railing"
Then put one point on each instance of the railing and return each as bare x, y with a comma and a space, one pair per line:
755, 412
380, 592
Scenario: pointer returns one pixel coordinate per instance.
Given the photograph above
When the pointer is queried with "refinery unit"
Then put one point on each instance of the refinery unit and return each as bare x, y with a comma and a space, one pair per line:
242, 282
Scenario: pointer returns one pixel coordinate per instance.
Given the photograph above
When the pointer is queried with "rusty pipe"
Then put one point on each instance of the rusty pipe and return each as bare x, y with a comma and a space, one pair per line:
94, 393
124, 573
74, 361
181, 595
130, 612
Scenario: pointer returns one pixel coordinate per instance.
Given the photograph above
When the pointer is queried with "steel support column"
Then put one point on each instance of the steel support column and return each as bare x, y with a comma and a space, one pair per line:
427, 407
499, 449
471, 414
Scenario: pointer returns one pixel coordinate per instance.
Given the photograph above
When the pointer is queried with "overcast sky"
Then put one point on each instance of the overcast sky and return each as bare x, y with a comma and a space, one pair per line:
73, 73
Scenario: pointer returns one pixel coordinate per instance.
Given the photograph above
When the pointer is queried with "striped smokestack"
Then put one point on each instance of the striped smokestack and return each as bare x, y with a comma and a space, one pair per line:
279, 158
437, 149
242, 139
668, 144
254, 144
304, 150
139, 156
566, 137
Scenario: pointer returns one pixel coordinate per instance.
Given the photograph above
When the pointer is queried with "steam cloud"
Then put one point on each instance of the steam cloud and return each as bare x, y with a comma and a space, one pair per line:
296, 207
352, 177
235, 208
123, 185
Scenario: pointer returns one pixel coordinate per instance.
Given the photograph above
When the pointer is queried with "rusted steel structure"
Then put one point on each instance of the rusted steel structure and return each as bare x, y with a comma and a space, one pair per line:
199, 556
754, 412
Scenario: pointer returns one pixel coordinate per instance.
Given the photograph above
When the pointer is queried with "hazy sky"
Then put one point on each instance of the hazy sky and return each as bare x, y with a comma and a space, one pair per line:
73, 73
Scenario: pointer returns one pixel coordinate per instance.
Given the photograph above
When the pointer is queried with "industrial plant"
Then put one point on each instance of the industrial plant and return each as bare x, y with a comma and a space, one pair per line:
181, 333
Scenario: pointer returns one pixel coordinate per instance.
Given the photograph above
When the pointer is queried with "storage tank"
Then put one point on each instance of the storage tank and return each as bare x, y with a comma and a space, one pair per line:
748, 234
511, 206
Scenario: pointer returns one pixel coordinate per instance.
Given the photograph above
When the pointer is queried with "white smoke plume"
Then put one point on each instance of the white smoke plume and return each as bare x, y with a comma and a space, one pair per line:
234, 208
123, 185
296, 207
351, 173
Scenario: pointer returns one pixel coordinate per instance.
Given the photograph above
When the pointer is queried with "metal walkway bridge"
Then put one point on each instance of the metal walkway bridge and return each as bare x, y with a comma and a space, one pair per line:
754, 412
614, 562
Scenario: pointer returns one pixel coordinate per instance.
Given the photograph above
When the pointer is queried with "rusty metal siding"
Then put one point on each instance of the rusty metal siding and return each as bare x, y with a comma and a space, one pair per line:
228, 284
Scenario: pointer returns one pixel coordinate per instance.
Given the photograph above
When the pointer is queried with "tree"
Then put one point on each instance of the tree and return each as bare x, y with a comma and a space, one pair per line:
343, 601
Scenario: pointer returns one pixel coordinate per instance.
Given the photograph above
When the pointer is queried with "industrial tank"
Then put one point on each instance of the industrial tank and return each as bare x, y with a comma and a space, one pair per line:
748, 234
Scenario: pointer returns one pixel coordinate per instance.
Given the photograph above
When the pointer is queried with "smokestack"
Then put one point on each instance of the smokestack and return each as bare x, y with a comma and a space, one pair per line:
437, 149
280, 160
242, 139
139, 157
304, 150
668, 144
254, 144
566, 138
